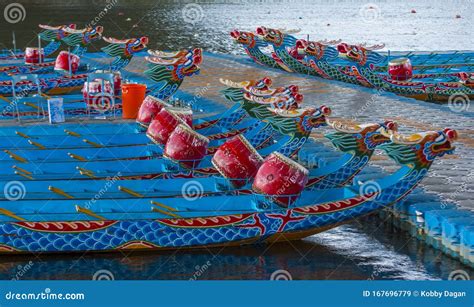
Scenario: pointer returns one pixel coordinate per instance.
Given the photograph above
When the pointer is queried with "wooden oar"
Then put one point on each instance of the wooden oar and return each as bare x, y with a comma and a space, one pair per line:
60, 192
11, 214
88, 212
6, 99
130, 191
155, 209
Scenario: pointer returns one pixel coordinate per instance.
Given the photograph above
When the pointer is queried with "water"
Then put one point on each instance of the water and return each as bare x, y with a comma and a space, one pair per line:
173, 24
364, 249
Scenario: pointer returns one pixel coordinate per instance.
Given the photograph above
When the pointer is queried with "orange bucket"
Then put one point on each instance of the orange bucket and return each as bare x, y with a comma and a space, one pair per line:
132, 98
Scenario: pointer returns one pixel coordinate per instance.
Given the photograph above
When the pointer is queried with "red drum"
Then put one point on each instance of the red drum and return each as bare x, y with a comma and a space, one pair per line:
281, 178
186, 146
400, 69
162, 125
33, 55
237, 159
62, 62
148, 109
184, 114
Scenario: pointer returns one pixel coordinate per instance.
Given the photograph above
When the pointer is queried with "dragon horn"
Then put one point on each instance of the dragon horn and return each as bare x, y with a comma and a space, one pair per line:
329, 42
293, 31
373, 47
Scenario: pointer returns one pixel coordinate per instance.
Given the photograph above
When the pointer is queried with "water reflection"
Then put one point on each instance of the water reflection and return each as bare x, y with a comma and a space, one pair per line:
357, 251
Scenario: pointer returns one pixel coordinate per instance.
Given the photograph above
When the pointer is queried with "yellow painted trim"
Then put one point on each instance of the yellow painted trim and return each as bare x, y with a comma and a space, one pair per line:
60, 192
11, 214
129, 191
80, 209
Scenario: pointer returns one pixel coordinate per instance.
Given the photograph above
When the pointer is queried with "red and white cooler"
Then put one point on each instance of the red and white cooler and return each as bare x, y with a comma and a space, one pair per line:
34, 55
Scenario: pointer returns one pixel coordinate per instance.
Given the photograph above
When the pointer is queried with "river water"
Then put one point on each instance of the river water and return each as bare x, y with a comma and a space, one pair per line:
365, 249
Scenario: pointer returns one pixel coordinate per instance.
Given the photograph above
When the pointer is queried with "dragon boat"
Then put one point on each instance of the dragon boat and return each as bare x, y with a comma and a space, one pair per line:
78, 39
270, 212
356, 142
51, 34
167, 73
217, 127
121, 50
428, 76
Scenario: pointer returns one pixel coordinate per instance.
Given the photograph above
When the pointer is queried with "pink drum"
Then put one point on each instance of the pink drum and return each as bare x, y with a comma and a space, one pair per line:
281, 178
400, 69
33, 55
186, 146
162, 125
184, 114
148, 109
62, 62
237, 160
